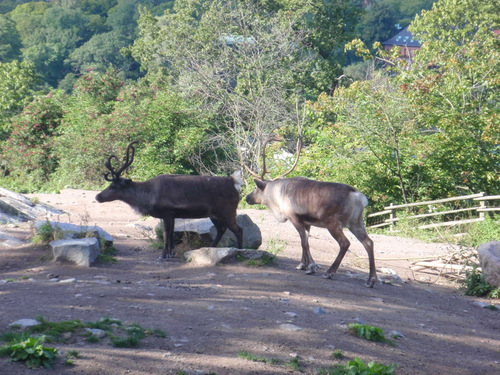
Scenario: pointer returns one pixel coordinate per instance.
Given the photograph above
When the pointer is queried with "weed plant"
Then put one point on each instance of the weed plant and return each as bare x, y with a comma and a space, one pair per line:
30, 351
293, 364
358, 367
368, 332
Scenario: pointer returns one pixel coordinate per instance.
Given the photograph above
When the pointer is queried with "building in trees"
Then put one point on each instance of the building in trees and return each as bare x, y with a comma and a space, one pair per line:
404, 40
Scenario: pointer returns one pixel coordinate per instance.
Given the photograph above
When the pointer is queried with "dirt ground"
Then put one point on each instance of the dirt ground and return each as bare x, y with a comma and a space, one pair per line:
212, 314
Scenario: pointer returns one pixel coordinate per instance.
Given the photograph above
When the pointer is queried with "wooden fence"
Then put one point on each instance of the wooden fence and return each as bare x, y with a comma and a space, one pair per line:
461, 210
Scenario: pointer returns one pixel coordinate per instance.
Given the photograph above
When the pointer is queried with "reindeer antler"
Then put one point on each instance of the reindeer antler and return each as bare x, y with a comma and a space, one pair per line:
113, 175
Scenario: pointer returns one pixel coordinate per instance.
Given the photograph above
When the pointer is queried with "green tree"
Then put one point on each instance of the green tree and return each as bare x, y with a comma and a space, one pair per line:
10, 41
18, 84
27, 154
103, 115
365, 135
246, 67
454, 85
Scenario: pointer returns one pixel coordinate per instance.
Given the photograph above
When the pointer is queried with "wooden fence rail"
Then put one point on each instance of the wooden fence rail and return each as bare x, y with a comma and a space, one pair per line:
475, 204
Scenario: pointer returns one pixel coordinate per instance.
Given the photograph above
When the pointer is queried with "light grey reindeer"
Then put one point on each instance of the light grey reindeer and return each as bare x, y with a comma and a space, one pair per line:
307, 203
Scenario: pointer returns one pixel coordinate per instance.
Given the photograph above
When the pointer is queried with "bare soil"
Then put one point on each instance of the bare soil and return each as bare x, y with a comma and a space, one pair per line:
212, 314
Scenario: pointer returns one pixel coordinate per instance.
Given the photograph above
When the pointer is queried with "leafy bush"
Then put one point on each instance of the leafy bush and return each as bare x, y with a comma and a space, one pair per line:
28, 154
474, 284
32, 352
358, 367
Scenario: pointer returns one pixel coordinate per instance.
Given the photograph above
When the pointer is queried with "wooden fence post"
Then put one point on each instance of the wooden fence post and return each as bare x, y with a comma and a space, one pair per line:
392, 216
482, 204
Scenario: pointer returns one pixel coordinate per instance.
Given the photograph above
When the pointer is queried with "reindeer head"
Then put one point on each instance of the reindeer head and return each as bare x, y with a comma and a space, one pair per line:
118, 184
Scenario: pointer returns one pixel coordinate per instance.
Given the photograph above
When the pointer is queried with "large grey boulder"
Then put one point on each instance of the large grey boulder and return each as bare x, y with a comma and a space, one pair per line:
489, 256
252, 237
83, 251
16, 208
7, 241
71, 231
211, 256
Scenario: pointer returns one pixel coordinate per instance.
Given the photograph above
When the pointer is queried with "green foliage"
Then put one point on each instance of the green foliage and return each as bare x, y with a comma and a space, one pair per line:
474, 284
262, 261
45, 233
338, 354
246, 355
275, 246
28, 153
481, 232
54, 330
455, 83
368, 332
18, 83
30, 351
358, 367
10, 42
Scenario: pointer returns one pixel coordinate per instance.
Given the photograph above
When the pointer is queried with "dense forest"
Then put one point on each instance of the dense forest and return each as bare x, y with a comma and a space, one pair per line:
202, 84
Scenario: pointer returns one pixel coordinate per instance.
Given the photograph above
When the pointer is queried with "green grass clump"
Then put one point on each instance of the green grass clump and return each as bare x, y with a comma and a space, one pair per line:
368, 332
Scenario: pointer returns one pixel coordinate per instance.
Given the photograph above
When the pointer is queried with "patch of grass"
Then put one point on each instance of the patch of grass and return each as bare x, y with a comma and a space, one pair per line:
358, 367
107, 254
338, 354
72, 354
294, 364
368, 332
244, 354
92, 339
125, 342
106, 324
45, 234
275, 246
53, 330
262, 261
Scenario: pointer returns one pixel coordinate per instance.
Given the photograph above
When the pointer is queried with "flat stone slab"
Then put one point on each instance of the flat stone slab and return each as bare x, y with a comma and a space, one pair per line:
83, 251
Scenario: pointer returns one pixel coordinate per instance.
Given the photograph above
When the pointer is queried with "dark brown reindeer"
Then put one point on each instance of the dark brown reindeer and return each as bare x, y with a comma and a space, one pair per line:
307, 203
168, 197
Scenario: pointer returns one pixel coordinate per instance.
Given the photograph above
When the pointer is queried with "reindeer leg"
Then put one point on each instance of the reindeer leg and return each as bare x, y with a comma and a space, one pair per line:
307, 263
220, 231
336, 231
360, 232
168, 237
238, 232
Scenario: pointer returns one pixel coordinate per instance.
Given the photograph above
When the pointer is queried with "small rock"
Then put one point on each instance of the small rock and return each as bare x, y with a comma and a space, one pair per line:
68, 281
319, 311
96, 332
291, 314
290, 327
25, 323
396, 335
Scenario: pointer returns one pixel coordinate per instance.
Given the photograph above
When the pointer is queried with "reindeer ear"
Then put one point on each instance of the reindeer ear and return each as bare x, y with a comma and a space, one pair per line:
260, 184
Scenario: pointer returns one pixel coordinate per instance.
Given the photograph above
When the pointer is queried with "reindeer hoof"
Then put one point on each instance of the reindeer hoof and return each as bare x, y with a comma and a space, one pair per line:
312, 268
301, 266
371, 282
328, 275
166, 257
